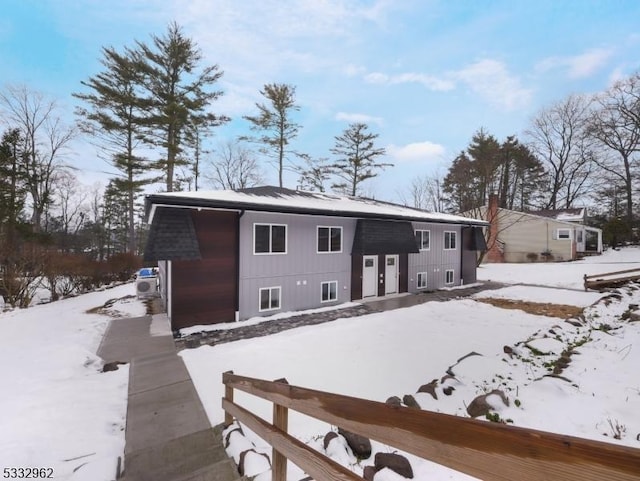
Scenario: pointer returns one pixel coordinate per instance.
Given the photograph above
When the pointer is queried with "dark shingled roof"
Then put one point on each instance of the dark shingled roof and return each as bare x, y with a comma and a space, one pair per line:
172, 236
384, 237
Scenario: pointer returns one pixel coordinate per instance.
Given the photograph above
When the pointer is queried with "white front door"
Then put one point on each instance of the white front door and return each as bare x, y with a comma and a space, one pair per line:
391, 275
369, 276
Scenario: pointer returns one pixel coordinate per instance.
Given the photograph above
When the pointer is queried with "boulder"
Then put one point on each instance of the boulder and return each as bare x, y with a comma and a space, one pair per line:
394, 401
253, 463
328, 437
369, 472
410, 401
480, 407
395, 462
360, 445
430, 388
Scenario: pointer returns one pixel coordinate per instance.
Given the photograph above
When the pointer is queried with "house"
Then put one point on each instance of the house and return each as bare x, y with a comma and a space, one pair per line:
546, 235
231, 255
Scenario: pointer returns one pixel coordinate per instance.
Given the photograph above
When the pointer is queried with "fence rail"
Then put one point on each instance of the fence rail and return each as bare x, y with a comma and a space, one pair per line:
489, 451
610, 279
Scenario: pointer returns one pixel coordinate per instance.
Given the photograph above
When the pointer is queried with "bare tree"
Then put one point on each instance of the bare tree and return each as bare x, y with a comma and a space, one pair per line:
425, 192
46, 140
615, 123
70, 197
234, 167
558, 136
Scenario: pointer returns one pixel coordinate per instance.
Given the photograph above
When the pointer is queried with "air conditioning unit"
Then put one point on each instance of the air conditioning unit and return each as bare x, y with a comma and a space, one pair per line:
146, 286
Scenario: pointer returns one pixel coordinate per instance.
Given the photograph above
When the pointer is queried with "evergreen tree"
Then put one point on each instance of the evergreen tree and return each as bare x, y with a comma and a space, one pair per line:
508, 169
356, 157
12, 188
177, 94
114, 117
314, 174
274, 122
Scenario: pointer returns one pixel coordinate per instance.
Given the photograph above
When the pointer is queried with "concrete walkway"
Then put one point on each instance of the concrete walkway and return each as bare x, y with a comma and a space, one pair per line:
168, 435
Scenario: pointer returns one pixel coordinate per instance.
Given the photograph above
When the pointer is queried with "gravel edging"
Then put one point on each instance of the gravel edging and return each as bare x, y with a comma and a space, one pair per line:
278, 325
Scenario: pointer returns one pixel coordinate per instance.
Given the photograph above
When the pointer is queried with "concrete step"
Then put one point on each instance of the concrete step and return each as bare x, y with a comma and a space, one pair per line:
179, 458
221, 471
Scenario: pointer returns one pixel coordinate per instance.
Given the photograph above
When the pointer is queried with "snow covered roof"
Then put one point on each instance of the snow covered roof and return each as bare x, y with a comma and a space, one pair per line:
566, 215
276, 199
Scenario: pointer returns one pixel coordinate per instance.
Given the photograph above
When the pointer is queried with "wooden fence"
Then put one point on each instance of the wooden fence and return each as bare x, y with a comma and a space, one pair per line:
610, 279
488, 451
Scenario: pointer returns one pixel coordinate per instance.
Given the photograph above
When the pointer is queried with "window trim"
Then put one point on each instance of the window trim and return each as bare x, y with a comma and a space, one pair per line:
455, 241
330, 227
422, 231
564, 229
329, 291
270, 289
453, 277
271, 225
426, 279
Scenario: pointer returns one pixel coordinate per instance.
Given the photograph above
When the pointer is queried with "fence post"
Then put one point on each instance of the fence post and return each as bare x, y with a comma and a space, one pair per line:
280, 421
228, 395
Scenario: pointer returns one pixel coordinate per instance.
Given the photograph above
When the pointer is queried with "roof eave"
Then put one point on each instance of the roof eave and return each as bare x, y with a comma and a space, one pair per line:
153, 200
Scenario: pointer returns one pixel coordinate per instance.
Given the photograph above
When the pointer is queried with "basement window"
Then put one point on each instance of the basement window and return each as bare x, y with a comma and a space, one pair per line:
329, 291
269, 298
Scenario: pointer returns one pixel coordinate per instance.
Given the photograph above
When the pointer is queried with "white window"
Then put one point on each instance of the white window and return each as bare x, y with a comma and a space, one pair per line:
579, 236
448, 276
329, 239
269, 298
269, 239
329, 291
449, 240
423, 239
422, 280
564, 234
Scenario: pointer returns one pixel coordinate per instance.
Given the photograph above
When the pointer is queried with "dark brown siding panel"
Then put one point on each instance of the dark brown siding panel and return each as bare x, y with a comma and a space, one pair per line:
356, 277
403, 272
469, 256
205, 291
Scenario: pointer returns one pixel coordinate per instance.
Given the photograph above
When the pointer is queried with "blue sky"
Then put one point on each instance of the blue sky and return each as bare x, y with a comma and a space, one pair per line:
424, 74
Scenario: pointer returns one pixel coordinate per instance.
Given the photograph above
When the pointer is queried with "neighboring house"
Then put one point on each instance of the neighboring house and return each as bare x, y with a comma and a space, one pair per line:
231, 255
548, 235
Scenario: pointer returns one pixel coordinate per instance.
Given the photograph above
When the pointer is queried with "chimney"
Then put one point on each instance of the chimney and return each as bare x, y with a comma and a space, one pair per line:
494, 252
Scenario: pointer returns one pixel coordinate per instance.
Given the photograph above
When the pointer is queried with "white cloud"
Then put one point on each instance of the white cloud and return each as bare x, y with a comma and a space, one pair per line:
429, 81
577, 66
361, 118
491, 80
416, 151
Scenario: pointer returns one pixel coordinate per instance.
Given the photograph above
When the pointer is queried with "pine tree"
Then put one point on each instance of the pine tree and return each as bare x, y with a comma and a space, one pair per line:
178, 95
114, 117
356, 157
275, 124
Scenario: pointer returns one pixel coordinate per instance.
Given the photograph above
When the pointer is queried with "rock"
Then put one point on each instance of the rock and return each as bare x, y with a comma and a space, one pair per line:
253, 463
430, 388
227, 438
394, 462
369, 472
394, 401
410, 401
480, 407
328, 437
111, 366
508, 350
448, 390
360, 445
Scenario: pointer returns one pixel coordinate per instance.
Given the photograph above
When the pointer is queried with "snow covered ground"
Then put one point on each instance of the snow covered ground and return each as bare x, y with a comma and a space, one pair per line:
394, 353
57, 409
